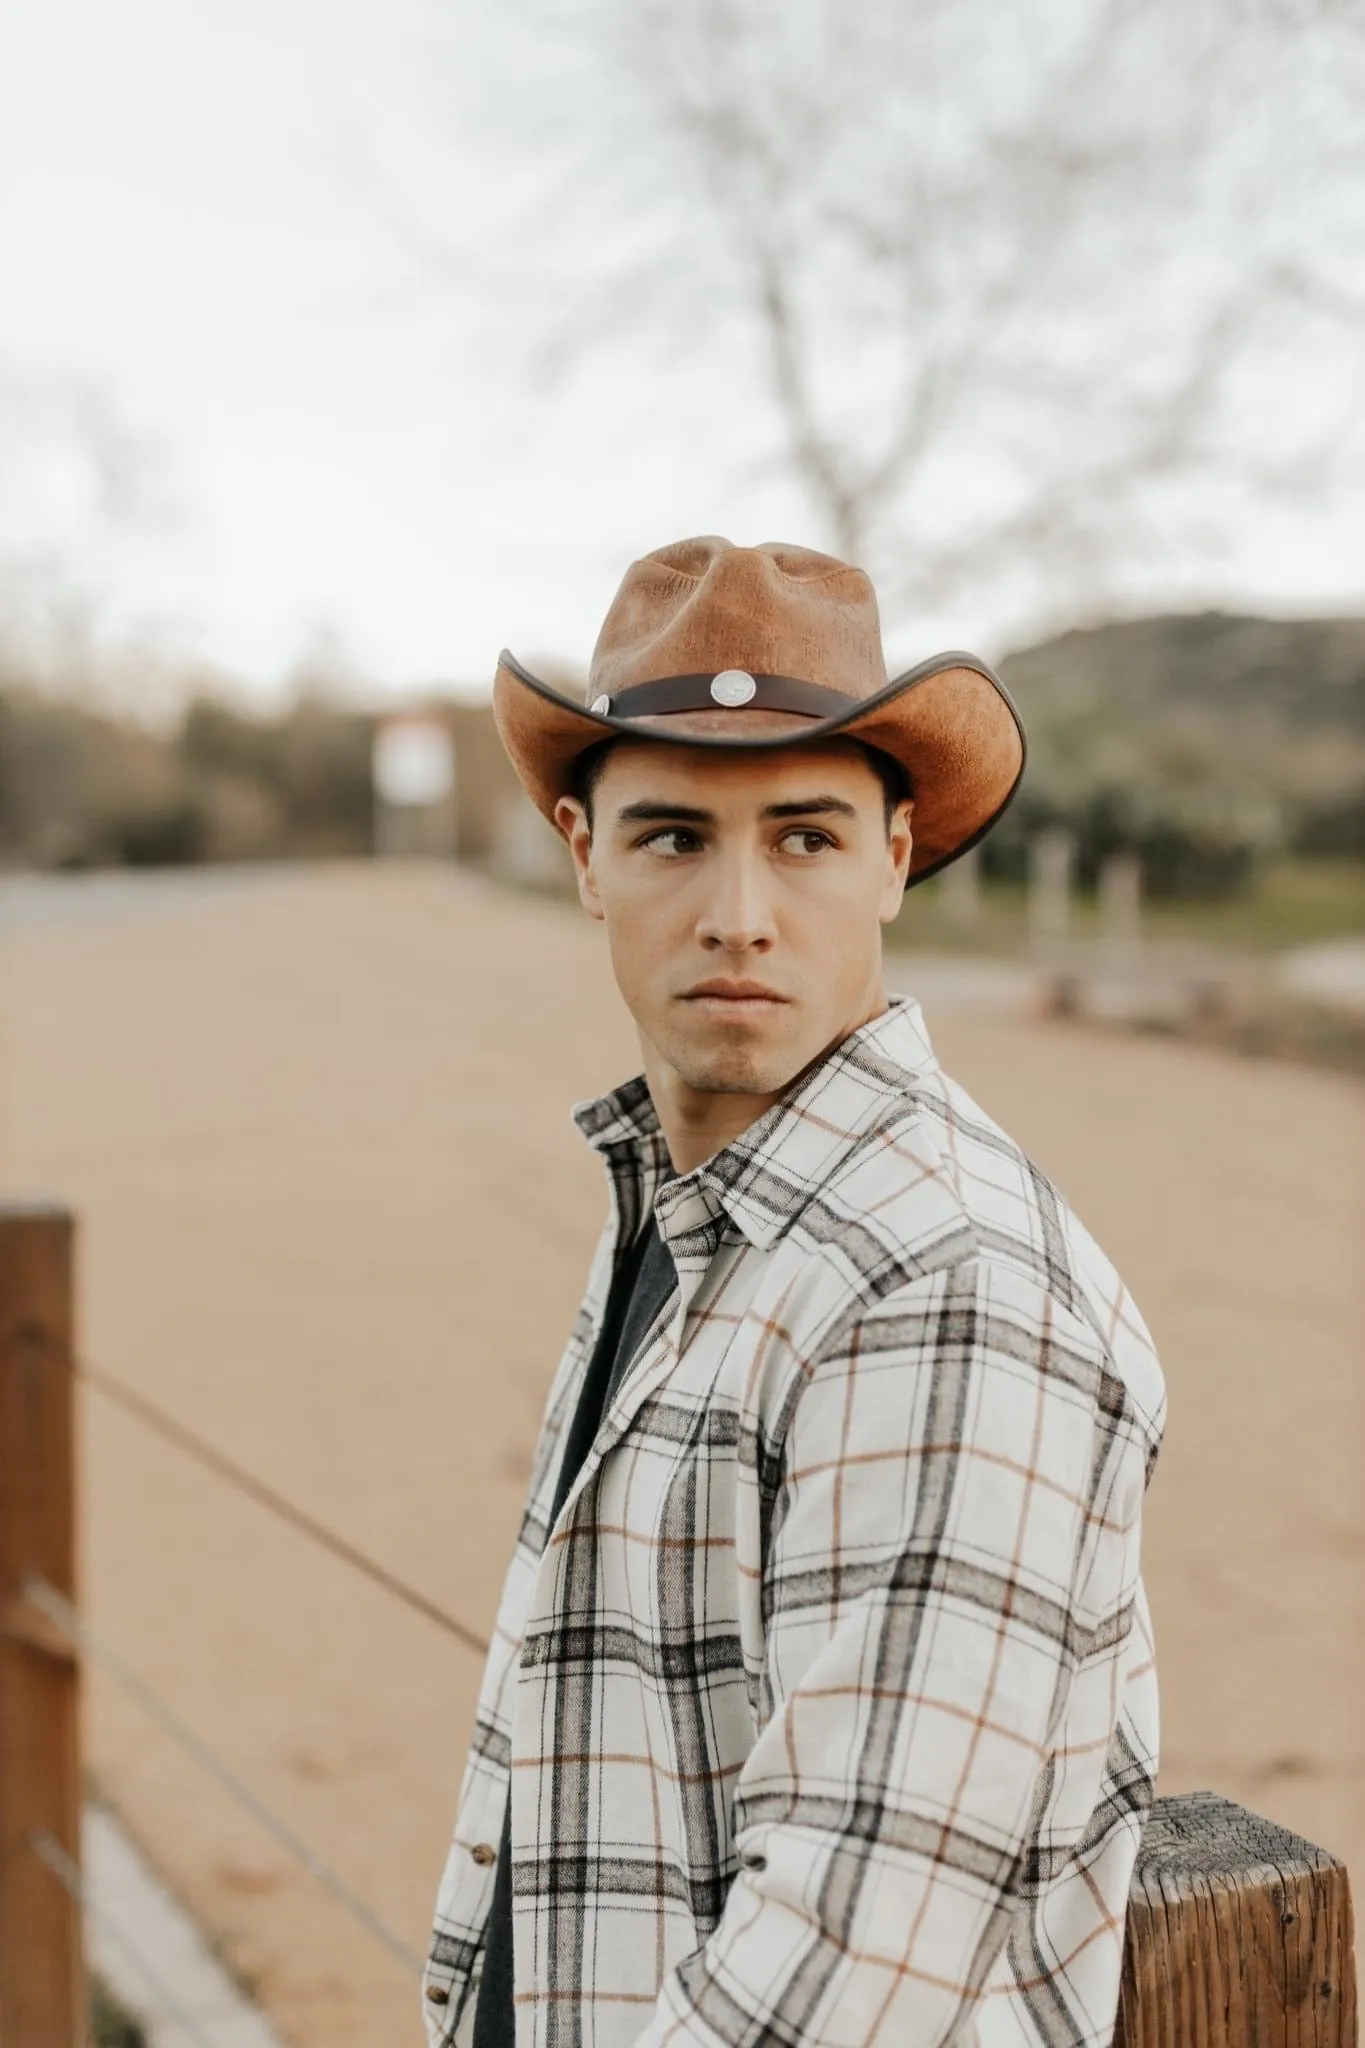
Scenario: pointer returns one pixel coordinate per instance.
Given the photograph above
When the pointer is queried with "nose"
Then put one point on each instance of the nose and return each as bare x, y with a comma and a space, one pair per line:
737, 916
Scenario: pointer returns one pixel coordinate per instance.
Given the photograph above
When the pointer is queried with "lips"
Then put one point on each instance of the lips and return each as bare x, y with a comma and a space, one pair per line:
732, 992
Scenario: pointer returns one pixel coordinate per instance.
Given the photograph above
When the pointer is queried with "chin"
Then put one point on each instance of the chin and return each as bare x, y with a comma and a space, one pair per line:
732, 1076
737, 1068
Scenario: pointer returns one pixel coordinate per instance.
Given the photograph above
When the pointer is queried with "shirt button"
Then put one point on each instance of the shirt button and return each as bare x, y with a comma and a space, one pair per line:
484, 1852
438, 1994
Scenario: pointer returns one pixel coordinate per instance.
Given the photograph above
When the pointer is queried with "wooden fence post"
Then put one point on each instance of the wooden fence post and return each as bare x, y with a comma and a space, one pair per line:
1239, 1935
42, 1976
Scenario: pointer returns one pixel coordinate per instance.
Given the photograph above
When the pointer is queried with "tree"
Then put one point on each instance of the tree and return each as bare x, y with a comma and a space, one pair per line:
1008, 281
77, 480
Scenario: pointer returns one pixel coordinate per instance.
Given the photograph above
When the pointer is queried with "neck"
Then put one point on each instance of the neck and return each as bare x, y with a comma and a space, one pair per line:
699, 1122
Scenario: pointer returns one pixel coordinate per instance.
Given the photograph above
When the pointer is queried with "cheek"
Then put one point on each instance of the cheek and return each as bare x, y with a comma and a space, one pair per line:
831, 903
647, 923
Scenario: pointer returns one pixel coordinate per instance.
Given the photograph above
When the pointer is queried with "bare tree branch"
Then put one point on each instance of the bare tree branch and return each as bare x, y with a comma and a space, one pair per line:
1051, 250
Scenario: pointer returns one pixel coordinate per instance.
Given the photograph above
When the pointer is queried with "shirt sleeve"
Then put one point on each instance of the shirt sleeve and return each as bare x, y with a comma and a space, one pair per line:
949, 1459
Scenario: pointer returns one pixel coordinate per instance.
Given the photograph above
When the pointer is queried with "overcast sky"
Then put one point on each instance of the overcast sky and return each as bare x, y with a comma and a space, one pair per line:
205, 216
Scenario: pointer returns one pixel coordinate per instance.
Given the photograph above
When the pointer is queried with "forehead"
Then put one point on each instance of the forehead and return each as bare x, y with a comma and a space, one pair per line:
713, 777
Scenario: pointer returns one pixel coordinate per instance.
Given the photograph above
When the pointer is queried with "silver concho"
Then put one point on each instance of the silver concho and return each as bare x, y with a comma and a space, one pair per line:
601, 705
733, 686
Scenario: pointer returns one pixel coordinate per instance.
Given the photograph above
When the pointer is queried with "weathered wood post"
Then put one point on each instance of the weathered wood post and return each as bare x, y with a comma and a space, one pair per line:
1120, 890
42, 1976
1239, 1935
960, 890
1052, 854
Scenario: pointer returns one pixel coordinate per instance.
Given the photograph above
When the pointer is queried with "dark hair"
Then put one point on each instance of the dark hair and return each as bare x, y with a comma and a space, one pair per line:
894, 779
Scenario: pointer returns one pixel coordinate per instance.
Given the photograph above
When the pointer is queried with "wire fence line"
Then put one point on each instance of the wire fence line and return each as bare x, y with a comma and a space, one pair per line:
40, 1601
227, 1469
63, 1615
65, 1869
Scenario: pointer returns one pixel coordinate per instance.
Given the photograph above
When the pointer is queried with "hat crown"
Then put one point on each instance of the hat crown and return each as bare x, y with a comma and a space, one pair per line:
701, 606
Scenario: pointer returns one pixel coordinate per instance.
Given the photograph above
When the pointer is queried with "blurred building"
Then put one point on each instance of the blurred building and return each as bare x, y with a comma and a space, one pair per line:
445, 788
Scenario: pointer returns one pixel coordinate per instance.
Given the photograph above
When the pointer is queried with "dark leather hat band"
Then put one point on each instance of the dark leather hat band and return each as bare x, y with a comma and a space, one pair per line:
731, 688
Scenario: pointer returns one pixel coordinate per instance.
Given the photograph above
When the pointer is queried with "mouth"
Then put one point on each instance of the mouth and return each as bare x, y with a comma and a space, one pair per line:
734, 998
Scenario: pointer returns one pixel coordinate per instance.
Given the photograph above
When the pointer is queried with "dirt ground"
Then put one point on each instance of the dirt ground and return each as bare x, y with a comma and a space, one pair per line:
333, 1215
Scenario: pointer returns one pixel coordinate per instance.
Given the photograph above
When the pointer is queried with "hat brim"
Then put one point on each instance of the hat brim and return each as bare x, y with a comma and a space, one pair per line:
949, 721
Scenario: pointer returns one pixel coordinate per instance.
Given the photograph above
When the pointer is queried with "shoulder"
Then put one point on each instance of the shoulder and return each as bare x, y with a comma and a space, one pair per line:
940, 1230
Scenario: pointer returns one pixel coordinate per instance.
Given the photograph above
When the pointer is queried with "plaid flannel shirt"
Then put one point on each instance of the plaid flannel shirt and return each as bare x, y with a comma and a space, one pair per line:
828, 1705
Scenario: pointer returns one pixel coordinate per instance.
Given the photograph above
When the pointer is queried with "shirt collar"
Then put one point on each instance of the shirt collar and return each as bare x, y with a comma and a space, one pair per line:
763, 1178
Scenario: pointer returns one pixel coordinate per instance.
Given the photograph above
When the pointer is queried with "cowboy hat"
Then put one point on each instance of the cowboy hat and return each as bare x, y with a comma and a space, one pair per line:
711, 645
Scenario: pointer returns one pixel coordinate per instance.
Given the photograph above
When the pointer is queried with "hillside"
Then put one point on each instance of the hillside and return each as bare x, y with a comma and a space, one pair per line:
1302, 676
1202, 740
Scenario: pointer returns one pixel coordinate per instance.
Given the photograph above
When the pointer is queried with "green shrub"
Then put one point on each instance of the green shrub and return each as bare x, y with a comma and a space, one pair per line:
1333, 828
1193, 846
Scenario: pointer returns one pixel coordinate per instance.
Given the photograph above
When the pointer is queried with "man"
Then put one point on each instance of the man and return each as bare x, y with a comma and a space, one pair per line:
822, 1677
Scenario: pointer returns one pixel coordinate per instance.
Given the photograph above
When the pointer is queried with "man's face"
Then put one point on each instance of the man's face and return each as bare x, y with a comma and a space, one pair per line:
743, 896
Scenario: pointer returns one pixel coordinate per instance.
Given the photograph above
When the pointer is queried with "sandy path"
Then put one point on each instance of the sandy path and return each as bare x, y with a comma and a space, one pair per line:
334, 1216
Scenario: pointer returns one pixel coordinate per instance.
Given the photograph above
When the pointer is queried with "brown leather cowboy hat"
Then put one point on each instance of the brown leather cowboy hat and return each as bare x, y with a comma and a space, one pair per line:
711, 645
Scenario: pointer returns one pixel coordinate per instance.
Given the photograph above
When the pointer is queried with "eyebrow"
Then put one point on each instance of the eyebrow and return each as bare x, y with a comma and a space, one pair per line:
650, 811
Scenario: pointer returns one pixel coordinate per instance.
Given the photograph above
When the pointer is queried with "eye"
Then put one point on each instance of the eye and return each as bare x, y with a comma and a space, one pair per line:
809, 841
671, 842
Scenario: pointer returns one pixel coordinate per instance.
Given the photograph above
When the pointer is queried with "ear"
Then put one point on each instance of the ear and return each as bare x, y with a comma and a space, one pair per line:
571, 820
899, 846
